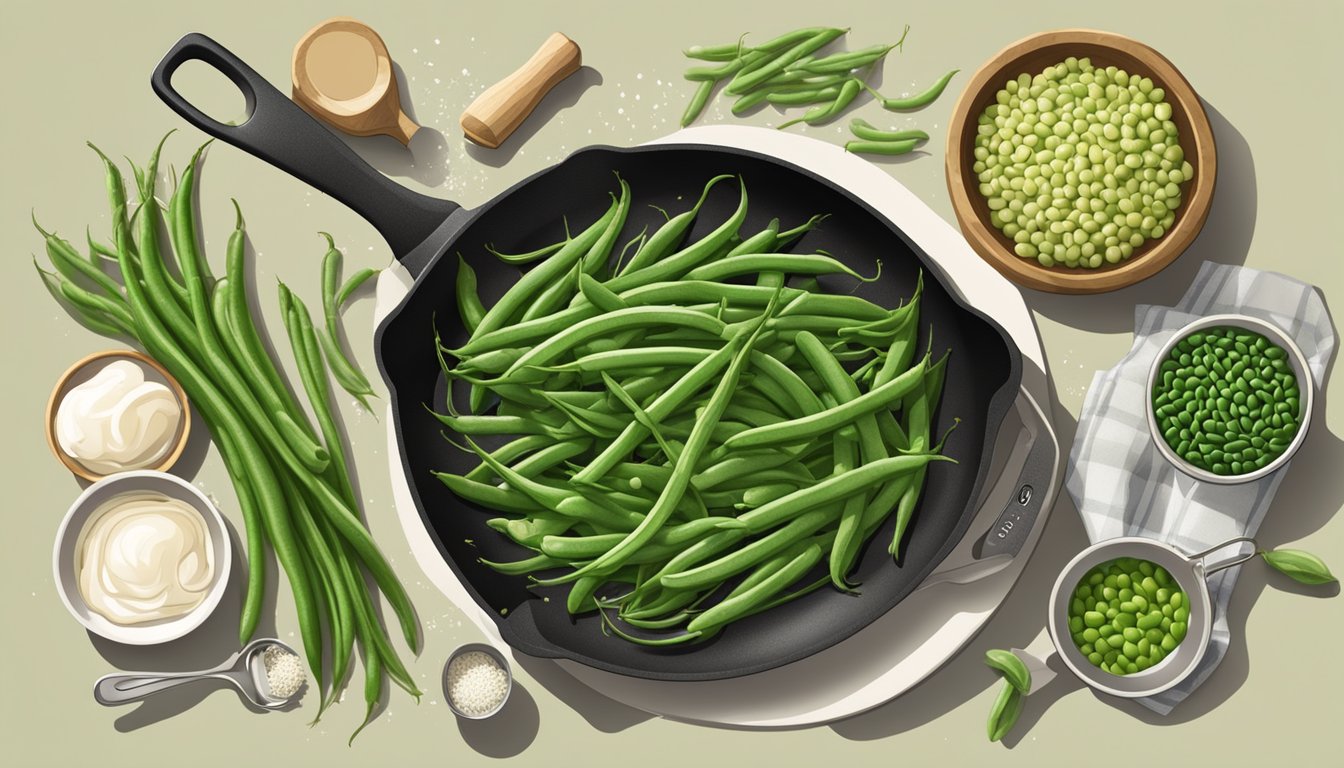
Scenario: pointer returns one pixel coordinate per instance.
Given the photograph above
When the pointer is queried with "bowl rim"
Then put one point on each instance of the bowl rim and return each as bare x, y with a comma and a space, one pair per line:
1193, 582
1200, 146
60, 389
157, 632
500, 659
1306, 387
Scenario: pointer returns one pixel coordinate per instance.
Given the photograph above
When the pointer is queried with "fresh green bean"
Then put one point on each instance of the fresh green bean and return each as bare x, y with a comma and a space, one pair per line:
923, 98
810, 264
807, 427
734, 607
794, 98
544, 274
846, 61
685, 465
902, 147
822, 113
866, 131
520, 259
353, 284
777, 64
698, 101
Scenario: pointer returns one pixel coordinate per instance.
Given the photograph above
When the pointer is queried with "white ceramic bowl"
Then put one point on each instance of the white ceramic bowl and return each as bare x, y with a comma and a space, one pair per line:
63, 556
1306, 386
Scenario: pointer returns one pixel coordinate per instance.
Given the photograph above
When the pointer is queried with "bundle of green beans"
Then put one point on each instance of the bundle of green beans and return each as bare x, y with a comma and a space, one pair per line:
688, 435
785, 72
292, 482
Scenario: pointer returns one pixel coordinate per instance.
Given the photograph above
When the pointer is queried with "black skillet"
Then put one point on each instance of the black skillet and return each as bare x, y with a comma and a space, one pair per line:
982, 376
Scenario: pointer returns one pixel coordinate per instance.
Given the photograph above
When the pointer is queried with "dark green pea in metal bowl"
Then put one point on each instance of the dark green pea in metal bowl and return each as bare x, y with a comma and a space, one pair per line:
1266, 447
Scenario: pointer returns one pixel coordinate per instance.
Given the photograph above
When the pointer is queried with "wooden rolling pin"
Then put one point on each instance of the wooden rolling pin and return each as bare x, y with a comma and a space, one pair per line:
498, 112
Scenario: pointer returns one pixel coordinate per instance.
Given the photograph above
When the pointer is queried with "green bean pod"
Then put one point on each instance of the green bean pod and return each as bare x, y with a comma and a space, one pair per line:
735, 607
846, 61
891, 148
864, 130
923, 98
843, 98
469, 306
743, 84
698, 101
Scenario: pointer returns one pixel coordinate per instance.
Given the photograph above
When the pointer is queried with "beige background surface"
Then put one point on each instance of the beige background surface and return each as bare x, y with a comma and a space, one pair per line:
1267, 71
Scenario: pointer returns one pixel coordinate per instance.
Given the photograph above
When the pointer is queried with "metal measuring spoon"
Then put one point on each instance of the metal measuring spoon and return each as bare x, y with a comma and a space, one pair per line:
245, 670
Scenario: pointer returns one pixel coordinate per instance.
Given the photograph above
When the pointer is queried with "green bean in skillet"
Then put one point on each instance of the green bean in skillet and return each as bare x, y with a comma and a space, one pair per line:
685, 464
535, 280
668, 236
519, 259
919, 406
675, 265
469, 306
559, 293
835, 488
735, 606
921, 99
865, 340
843, 389
798, 264
812, 425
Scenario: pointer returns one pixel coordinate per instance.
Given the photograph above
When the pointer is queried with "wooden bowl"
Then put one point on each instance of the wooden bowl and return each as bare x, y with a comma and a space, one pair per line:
84, 370
1031, 55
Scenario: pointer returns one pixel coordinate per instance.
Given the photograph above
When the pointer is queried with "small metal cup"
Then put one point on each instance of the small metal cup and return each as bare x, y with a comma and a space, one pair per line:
1306, 386
1190, 573
493, 653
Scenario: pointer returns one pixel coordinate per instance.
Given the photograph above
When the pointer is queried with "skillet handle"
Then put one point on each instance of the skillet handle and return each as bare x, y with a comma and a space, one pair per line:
278, 131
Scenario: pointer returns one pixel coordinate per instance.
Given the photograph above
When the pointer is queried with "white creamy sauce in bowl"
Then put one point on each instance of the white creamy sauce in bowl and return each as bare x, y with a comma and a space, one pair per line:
118, 420
143, 556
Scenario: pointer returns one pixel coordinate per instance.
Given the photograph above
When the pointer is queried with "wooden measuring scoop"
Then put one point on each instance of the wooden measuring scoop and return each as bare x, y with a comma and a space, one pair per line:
498, 112
343, 76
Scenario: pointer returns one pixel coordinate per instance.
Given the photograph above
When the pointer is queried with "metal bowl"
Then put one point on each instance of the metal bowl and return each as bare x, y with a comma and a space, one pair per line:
65, 556
1306, 386
1190, 573
492, 652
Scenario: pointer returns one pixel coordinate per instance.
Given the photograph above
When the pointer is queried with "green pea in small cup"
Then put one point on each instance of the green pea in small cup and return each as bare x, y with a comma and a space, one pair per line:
1187, 571
1220, 386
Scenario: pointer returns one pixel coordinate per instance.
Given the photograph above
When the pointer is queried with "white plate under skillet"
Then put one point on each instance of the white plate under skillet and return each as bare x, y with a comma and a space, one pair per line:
924, 631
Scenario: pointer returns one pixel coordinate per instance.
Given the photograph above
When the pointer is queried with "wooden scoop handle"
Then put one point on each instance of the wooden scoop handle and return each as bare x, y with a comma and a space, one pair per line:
498, 112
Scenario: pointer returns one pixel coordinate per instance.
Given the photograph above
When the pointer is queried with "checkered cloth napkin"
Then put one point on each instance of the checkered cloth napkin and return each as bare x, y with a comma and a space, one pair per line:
1120, 483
